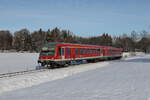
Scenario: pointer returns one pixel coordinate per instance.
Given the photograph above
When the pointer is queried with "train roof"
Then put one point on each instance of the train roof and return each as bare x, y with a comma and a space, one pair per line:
81, 45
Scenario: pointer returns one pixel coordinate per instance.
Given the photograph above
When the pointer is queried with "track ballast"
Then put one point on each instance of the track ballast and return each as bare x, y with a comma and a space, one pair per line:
21, 73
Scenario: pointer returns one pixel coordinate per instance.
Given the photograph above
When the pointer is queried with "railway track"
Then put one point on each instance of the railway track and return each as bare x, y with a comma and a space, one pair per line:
21, 73
11, 74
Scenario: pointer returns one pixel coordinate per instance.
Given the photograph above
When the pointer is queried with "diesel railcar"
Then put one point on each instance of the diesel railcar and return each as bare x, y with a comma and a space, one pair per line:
55, 54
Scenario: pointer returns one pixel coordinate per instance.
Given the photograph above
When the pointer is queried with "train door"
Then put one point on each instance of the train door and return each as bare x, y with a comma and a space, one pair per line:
63, 53
104, 52
67, 53
73, 53
77, 52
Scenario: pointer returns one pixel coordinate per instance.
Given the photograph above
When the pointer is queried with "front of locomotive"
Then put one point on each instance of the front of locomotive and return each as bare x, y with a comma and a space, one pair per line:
47, 54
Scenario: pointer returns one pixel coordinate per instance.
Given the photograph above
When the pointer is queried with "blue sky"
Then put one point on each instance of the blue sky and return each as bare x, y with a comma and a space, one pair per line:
83, 17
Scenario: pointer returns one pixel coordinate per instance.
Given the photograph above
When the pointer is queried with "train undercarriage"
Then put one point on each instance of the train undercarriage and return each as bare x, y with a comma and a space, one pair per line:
58, 64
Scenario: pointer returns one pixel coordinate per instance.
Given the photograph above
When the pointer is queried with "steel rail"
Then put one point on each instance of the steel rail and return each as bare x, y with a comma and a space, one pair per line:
21, 73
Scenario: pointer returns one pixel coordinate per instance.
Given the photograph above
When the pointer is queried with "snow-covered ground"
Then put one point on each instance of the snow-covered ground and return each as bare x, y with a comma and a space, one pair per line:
132, 54
12, 62
120, 80
29, 80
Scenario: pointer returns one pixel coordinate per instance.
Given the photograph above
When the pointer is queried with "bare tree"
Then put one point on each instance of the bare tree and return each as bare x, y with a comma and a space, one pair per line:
22, 40
38, 38
5, 40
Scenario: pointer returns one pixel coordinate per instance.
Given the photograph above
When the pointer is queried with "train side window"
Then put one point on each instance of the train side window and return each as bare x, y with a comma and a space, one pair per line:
91, 52
80, 51
87, 51
76, 51
69, 52
84, 51
94, 51
62, 51
110, 51
99, 50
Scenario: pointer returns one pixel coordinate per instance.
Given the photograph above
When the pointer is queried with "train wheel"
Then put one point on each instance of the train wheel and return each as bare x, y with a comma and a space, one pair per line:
64, 65
49, 66
67, 63
42, 64
90, 61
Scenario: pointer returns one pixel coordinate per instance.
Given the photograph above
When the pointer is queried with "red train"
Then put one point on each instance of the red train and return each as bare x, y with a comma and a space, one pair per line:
55, 53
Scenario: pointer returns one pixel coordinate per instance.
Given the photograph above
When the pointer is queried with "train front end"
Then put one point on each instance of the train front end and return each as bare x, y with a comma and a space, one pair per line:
47, 55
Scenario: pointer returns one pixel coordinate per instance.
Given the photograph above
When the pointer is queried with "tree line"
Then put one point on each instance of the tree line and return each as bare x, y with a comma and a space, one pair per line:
24, 40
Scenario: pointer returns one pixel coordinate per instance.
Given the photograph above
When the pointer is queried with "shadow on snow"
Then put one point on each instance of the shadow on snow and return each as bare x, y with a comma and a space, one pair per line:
140, 60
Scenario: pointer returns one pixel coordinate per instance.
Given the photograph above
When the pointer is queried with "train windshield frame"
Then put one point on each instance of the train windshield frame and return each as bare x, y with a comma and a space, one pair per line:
47, 53
48, 50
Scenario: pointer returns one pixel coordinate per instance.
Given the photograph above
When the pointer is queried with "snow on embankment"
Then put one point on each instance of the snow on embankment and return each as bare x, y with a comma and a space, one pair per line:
28, 80
12, 62
132, 54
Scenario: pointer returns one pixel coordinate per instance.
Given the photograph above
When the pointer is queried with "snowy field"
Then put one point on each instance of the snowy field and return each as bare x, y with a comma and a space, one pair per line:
32, 79
121, 80
12, 62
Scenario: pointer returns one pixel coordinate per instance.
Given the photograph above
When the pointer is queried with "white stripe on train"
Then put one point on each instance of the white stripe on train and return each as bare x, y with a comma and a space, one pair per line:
69, 59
